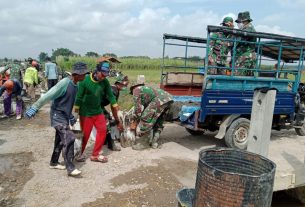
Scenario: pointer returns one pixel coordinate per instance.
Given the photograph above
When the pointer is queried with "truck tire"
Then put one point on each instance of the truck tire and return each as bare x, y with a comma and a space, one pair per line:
194, 132
237, 134
300, 131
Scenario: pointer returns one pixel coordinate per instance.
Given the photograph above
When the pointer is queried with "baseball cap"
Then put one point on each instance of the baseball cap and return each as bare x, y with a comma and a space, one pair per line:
103, 67
80, 68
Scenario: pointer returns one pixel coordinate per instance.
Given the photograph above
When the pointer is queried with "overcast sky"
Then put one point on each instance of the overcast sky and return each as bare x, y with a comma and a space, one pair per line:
129, 27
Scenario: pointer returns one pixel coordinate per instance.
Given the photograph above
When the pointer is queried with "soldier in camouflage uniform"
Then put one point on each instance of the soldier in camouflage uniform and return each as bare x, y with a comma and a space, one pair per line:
15, 71
219, 49
150, 106
245, 52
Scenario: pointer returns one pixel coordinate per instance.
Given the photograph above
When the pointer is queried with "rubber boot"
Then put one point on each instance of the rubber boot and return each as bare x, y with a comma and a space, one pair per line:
154, 142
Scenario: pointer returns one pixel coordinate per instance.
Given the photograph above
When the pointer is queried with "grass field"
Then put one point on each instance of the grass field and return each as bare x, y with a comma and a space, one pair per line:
132, 67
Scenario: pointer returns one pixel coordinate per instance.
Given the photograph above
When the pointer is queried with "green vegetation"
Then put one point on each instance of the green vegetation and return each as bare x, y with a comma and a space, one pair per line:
92, 54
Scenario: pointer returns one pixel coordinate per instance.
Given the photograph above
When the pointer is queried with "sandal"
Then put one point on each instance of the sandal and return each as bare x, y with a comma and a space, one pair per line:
99, 158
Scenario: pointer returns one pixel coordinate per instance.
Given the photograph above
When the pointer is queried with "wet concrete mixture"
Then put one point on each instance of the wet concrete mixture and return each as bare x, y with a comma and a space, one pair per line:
130, 178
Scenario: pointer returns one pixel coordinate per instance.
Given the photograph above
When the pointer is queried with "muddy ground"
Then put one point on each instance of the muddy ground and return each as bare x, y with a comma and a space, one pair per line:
130, 178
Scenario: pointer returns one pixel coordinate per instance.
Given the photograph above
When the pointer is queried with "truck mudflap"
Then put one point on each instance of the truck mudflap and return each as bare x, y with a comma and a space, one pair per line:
227, 120
189, 116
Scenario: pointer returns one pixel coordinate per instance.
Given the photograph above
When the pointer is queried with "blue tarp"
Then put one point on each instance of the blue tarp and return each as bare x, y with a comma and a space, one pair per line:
187, 99
187, 111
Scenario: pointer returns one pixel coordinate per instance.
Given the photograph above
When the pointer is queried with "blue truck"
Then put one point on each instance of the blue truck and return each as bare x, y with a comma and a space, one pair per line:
223, 102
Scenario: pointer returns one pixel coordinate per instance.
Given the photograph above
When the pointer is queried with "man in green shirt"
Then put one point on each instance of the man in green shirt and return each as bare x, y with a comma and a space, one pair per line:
92, 91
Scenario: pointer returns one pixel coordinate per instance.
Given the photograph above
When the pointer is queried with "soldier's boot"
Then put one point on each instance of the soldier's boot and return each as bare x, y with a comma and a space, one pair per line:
141, 144
115, 147
154, 141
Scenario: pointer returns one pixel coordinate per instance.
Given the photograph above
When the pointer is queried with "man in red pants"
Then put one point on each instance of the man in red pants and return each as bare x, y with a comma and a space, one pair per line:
92, 90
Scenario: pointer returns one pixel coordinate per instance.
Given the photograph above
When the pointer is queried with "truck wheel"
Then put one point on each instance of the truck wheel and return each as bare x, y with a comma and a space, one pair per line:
300, 131
237, 134
194, 132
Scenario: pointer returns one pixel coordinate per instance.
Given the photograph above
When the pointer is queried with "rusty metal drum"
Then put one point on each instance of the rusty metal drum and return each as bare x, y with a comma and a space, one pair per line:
229, 178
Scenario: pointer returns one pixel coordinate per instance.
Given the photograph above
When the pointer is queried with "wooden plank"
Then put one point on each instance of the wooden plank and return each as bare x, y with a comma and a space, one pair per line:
184, 78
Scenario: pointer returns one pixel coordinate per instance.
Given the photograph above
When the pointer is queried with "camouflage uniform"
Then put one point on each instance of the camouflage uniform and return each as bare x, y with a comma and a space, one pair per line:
245, 52
150, 106
15, 71
219, 50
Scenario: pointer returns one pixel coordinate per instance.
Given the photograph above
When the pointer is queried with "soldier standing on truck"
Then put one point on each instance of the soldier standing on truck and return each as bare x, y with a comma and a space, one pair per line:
245, 51
219, 49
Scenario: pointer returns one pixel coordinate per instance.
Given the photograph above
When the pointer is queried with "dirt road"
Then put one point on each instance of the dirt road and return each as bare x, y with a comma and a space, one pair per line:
130, 178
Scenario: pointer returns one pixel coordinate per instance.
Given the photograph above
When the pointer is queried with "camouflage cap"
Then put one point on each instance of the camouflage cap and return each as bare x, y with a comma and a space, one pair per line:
226, 20
243, 16
239, 17
246, 16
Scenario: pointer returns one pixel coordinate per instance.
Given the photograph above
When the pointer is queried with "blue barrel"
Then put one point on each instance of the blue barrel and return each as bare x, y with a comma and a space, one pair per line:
232, 177
185, 197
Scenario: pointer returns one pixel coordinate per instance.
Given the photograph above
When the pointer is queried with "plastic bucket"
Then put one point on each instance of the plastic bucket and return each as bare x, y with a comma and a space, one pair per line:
185, 197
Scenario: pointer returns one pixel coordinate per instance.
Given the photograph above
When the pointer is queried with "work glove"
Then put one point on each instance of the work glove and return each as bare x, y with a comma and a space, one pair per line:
31, 112
72, 120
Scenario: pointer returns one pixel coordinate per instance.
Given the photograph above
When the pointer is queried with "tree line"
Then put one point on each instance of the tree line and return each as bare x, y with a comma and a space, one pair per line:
65, 52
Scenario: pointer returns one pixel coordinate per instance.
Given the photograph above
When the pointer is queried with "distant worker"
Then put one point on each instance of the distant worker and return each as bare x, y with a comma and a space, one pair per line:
150, 107
120, 84
51, 73
245, 51
219, 48
15, 71
10, 88
31, 79
63, 97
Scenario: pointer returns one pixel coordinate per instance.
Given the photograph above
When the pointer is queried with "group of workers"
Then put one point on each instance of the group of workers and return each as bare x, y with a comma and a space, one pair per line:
220, 46
83, 96
18, 80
